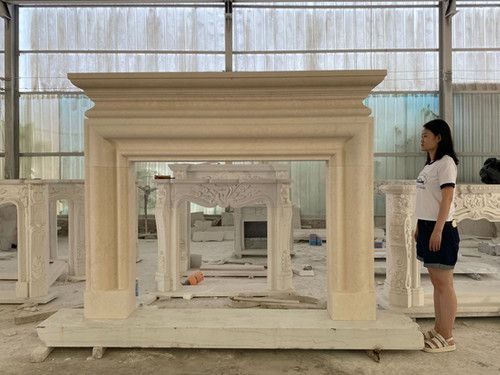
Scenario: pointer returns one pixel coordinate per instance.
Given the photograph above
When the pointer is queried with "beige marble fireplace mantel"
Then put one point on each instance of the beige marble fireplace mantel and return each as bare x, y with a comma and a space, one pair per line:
223, 117
228, 116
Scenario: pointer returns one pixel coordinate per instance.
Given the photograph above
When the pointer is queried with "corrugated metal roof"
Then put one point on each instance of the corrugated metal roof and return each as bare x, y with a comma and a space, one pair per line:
39, 167
341, 29
299, 29
309, 187
407, 71
126, 29
2, 124
202, 29
48, 71
54, 122
121, 28
56, 125
39, 128
476, 130
2, 48
2, 34
476, 27
71, 119
398, 120
476, 66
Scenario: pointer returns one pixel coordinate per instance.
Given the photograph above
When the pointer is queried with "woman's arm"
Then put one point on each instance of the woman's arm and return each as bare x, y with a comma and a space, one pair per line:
444, 210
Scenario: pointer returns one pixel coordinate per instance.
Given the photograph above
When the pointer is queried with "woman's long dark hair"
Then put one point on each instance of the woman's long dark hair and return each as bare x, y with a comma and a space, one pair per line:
445, 145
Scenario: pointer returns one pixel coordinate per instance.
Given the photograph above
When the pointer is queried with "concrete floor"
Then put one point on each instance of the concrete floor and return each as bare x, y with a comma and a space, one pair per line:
477, 339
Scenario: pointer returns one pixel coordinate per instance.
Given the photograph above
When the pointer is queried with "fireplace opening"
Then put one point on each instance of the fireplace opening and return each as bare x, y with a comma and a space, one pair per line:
232, 240
62, 222
255, 234
8, 247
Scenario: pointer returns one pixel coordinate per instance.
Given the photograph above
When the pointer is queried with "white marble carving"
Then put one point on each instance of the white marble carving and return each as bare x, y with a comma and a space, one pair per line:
71, 191
477, 202
234, 172
172, 195
402, 284
31, 201
35, 201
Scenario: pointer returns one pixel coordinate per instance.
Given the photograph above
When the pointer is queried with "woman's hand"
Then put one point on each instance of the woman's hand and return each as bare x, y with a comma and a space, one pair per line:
435, 240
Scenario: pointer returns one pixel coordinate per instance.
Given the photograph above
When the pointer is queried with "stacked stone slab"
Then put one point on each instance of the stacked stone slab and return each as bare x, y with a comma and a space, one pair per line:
486, 248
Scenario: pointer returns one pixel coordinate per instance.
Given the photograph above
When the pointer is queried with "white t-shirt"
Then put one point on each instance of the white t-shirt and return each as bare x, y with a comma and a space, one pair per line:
436, 175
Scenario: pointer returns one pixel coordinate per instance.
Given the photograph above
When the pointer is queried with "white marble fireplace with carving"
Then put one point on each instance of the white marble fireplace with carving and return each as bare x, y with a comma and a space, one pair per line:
38, 264
31, 199
222, 117
223, 185
402, 285
246, 172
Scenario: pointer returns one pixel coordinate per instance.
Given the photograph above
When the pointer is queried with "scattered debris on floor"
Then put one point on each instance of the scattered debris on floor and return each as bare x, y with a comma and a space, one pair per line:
147, 299
276, 301
374, 354
235, 273
40, 353
194, 279
233, 270
98, 352
35, 316
9, 333
229, 261
305, 270
474, 276
74, 279
238, 267
315, 240
471, 255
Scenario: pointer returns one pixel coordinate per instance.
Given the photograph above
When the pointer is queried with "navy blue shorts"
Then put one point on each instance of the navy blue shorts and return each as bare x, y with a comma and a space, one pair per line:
446, 257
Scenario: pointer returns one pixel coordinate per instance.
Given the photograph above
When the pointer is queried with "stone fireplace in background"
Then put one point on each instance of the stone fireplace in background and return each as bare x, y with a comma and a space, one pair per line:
224, 185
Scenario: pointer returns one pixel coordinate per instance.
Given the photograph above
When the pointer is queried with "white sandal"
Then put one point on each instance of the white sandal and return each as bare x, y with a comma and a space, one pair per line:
438, 344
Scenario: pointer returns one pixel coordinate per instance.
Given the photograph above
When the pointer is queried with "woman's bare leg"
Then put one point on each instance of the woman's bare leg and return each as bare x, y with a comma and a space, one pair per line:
445, 300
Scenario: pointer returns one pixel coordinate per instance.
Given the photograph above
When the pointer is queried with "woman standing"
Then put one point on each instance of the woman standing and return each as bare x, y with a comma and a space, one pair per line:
437, 234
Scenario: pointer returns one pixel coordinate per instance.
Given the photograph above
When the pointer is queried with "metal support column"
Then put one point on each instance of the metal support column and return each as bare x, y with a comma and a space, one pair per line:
229, 35
446, 12
12, 93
